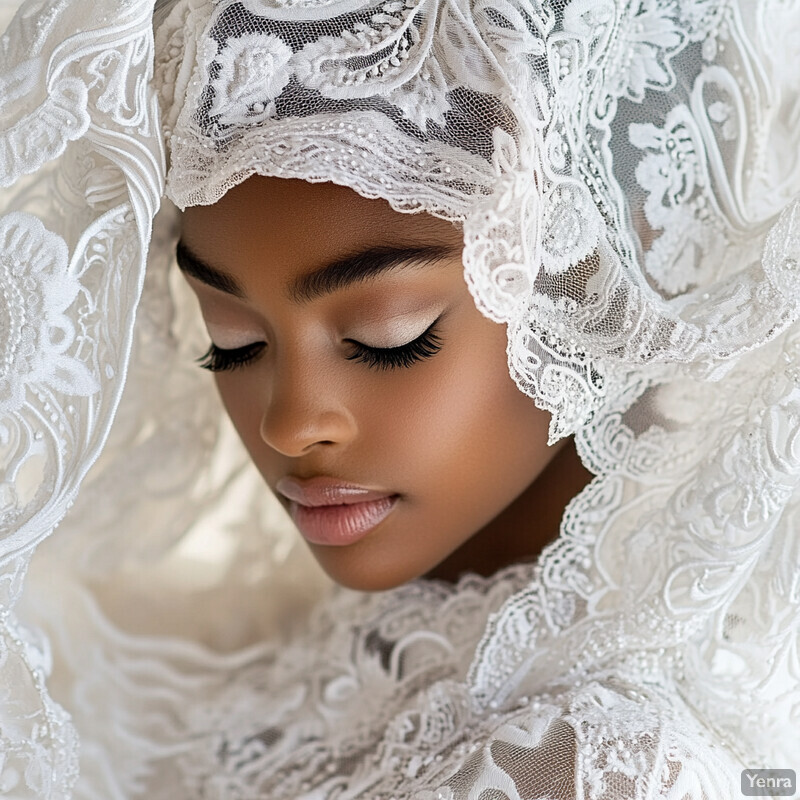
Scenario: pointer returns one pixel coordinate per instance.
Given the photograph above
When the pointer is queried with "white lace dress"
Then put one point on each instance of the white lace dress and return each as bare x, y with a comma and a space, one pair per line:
627, 174
374, 701
382, 696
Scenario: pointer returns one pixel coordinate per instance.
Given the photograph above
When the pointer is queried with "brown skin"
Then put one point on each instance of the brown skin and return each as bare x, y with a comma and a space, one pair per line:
452, 435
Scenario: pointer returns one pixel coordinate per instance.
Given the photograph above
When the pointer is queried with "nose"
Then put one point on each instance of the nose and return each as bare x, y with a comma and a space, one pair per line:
303, 410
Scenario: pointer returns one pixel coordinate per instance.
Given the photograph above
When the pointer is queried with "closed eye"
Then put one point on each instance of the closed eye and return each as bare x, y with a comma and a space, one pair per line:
216, 359
426, 345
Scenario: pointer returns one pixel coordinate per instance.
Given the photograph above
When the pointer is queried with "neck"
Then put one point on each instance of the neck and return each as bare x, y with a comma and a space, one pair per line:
522, 530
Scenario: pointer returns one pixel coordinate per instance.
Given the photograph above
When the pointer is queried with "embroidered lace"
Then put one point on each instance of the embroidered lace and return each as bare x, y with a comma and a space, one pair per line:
627, 177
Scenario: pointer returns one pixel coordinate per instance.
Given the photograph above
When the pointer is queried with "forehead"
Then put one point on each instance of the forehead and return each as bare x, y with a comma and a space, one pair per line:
295, 225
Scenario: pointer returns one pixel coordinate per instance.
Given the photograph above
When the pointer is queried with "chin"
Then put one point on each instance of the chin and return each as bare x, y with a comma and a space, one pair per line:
364, 573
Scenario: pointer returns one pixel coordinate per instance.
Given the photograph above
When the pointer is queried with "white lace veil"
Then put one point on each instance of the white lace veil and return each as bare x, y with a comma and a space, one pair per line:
627, 178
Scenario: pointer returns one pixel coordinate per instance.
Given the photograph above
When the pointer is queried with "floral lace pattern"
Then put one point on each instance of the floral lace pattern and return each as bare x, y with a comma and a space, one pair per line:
241, 83
68, 283
31, 356
626, 175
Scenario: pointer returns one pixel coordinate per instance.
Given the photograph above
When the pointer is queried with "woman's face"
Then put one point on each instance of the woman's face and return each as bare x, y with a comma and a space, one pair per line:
370, 392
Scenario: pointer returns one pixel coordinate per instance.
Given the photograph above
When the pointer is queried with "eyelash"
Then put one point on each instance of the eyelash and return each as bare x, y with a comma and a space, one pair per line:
216, 359
425, 346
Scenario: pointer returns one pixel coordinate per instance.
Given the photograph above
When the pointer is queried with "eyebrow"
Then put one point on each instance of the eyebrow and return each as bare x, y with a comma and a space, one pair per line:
197, 268
364, 265
343, 272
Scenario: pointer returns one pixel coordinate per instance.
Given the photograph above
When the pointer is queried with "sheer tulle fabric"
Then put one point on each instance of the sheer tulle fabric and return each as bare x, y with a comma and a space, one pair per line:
626, 176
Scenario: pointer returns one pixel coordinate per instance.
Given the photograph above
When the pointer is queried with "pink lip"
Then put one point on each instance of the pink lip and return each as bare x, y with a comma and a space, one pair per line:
329, 512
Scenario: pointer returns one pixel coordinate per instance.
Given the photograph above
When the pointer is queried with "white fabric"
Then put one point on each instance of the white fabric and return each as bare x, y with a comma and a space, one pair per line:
626, 174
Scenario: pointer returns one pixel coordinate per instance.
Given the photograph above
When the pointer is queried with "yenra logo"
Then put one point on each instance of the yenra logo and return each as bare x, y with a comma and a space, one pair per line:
768, 782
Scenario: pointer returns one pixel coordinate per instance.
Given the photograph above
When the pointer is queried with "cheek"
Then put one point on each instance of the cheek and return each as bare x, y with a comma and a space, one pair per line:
240, 393
458, 423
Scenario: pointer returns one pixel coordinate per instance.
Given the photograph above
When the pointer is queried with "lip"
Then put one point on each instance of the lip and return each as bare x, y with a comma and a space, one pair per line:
328, 511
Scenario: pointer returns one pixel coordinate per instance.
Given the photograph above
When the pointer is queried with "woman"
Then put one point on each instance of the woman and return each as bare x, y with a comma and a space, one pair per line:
617, 184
